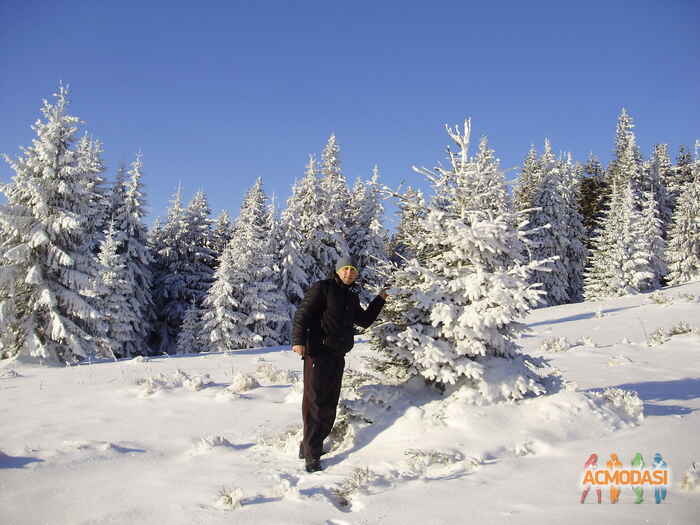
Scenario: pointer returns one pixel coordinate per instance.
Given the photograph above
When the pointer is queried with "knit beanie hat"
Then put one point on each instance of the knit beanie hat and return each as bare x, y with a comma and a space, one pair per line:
346, 261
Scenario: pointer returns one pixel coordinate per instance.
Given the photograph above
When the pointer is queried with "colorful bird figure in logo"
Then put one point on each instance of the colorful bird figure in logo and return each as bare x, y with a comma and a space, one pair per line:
659, 492
638, 463
612, 464
591, 464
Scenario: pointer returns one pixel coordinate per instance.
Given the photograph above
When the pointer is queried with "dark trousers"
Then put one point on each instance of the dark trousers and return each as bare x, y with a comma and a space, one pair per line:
323, 376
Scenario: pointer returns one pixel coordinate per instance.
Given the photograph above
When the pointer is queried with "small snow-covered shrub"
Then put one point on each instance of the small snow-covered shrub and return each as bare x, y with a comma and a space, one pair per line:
526, 448
625, 405
660, 298
153, 384
229, 498
271, 374
421, 459
680, 329
358, 481
242, 383
9, 373
209, 443
555, 344
587, 341
285, 441
688, 298
140, 359
657, 338
691, 478
197, 383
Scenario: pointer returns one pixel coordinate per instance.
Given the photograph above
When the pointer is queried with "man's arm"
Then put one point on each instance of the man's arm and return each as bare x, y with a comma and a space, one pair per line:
310, 306
366, 317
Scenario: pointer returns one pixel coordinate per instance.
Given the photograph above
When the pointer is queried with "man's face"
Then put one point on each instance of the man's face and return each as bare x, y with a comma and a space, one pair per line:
347, 274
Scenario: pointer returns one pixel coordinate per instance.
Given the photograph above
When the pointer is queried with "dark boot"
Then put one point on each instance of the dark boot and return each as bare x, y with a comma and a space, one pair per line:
313, 465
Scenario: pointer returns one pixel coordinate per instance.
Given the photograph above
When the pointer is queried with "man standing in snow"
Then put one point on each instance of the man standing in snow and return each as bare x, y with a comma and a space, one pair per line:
322, 334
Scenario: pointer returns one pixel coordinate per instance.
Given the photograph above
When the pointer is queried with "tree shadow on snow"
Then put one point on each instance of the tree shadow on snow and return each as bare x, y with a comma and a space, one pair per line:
579, 317
16, 461
652, 392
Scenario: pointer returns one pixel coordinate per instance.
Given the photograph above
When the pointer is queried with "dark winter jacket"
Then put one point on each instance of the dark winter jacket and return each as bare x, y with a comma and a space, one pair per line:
325, 318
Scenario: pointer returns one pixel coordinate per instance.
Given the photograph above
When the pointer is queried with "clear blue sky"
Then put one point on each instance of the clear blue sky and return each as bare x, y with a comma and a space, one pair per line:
216, 94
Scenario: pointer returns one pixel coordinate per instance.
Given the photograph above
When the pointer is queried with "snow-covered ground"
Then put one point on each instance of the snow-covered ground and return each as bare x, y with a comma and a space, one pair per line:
190, 440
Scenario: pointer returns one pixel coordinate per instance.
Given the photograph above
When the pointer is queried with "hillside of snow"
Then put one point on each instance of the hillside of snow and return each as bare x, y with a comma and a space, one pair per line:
212, 438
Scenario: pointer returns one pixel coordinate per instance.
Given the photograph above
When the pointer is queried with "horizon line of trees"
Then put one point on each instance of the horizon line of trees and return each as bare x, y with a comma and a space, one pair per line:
82, 277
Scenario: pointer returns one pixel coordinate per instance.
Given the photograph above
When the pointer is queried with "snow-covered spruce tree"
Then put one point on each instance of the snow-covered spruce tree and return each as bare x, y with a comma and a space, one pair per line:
367, 238
299, 231
121, 334
48, 267
527, 181
683, 252
128, 213
681, 174
170, 295
594, 194
253, 307
223, 323
222, 233
331, 242
184, 265
452, 315
658, 173
620, 261
90, 164
549, 222
618, 174
201, 258
576, 252
189, 337
651, 239
282, 327
411, 211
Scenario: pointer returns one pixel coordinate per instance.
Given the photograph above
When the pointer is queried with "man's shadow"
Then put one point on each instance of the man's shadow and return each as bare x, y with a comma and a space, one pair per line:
378, 408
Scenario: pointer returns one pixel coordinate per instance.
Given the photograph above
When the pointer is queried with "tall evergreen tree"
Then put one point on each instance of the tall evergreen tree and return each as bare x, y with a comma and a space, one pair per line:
199, 255
620, 262
223, 322
121, 334
222, 233
527, 181
128, 214
594, 194
48, 267
683, 252
299, 231
619, 170
332, 236
550, 224
681, 174
576, 250
367, 237
651, 239
170, 271
253, 307
452, 315
411, 211
659, 174
189, 337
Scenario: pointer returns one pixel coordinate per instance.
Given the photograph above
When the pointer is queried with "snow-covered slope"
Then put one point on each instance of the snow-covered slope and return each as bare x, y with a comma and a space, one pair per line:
185, 440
